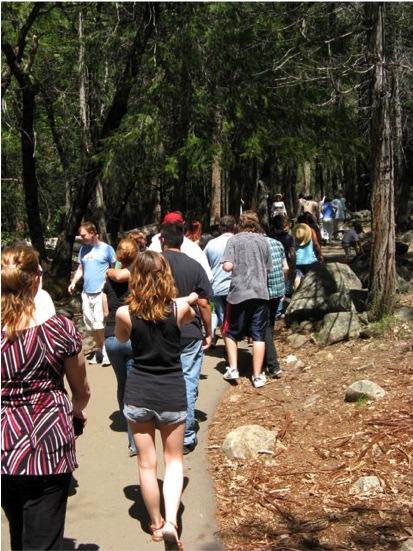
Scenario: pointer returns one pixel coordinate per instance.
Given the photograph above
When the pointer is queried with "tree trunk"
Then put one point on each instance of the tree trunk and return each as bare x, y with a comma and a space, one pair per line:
30, 183
62, 262
216, 190
307, 177
29, 91
402, 184
382, 268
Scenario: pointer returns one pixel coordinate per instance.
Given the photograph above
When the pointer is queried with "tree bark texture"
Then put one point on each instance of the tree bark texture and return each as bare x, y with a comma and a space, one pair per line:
216, 190
382, 268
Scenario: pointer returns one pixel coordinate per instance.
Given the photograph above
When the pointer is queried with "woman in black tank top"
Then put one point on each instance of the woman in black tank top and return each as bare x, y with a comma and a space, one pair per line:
155, 395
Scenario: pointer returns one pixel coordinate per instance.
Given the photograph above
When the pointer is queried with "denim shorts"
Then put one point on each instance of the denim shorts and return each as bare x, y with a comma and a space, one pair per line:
143, 415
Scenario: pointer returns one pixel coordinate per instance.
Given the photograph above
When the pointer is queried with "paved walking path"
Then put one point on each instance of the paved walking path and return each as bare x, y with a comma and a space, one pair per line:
105, 510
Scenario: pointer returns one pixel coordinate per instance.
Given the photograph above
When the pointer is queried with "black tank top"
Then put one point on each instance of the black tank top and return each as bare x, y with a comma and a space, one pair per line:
156, 380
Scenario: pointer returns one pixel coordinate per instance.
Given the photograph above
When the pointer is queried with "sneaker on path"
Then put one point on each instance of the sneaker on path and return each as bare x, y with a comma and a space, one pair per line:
93, 360
231, 373
275, 373
97, 358
105, 360
259, 381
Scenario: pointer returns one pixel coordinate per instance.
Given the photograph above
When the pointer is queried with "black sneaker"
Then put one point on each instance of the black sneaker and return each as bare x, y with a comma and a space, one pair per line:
188, 448
275, 373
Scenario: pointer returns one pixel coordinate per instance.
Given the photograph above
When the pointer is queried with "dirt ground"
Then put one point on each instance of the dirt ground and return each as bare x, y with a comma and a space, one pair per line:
298, 495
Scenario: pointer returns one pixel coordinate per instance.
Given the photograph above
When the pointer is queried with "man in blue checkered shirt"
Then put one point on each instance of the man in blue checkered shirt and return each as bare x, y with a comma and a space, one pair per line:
276, 289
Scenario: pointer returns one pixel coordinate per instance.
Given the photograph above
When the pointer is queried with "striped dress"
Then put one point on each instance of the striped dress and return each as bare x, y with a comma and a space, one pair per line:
37, 436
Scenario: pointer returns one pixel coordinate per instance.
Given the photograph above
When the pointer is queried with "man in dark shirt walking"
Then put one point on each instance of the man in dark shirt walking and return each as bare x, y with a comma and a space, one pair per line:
189, 277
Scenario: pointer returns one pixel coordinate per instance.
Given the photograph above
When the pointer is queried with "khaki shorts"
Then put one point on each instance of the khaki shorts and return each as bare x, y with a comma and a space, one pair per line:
92, 305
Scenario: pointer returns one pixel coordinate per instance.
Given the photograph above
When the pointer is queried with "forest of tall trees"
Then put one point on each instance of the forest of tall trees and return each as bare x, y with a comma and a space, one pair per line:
120, 111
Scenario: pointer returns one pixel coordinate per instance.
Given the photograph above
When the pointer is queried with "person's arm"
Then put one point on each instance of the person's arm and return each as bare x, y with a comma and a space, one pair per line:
123, 326
285, 268
293, 258
118, 274
358, 246
317, 246
105, 305
228, 266
75, 370
205, 311
77, 277
185, 314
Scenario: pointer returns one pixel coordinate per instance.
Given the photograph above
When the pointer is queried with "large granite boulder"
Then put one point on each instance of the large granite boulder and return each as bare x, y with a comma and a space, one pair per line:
327, 288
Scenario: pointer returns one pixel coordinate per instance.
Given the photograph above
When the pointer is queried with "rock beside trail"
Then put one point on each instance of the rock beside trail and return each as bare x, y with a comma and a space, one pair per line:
247, 441
326, 288
337, 327
364, 389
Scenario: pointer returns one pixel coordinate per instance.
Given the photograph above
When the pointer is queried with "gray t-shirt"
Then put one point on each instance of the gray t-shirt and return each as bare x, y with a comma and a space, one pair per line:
251, 256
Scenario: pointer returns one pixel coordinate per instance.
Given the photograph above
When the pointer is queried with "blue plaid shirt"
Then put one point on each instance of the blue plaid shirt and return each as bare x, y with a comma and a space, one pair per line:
276, 281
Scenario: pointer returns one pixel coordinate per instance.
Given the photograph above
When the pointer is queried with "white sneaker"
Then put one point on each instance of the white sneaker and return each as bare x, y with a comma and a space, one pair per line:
105, 361
259, 381
93, 360
231, 373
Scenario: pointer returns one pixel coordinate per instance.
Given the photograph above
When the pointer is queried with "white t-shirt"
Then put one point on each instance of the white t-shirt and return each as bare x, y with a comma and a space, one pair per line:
189, 248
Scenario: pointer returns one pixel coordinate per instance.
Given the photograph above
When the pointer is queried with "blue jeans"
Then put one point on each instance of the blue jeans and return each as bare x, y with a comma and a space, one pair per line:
191, 358
121, 357
220, 303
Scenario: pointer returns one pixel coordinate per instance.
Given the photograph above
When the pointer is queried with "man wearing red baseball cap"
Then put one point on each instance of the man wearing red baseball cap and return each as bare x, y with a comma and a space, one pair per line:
188, 247
175, 216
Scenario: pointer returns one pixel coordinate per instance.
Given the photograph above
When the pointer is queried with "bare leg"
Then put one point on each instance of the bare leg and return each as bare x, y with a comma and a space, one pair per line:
258, 352
144, 436
173, 443
232, 352
99, 337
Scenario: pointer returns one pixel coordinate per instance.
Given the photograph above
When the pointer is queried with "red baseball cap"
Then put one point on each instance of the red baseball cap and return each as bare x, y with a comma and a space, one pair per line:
173, 217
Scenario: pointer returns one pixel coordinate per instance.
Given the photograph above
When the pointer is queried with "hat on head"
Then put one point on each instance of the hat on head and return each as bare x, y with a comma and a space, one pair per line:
301, 234
173, 217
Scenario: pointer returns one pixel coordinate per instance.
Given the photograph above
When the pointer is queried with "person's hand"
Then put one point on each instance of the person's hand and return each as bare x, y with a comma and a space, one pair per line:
206, 342
71, 288
192, 298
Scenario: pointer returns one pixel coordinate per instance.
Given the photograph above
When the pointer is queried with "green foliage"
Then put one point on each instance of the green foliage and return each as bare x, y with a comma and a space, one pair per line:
254, 82
362, 400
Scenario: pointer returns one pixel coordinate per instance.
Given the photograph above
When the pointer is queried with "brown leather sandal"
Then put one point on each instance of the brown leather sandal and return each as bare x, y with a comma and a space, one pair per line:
153, 529
170, 537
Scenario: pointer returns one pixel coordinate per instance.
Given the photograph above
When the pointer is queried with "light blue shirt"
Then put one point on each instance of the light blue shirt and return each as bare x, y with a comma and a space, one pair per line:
341, 208
220, 278
95, 260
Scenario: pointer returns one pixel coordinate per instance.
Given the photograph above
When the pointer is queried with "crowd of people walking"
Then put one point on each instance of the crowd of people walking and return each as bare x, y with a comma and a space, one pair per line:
153, 310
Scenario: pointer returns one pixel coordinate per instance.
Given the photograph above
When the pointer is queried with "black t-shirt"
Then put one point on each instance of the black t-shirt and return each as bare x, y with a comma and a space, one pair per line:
189, 277
116, 293
286, 239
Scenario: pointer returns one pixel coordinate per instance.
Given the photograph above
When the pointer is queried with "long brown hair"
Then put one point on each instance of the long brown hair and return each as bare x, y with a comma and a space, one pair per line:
19, 269
152, 287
